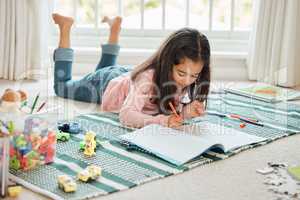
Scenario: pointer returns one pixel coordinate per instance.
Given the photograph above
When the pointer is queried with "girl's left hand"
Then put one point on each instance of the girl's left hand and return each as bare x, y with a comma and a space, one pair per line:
194, 109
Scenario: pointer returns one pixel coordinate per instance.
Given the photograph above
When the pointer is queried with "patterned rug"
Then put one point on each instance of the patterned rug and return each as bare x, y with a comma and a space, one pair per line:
124, 169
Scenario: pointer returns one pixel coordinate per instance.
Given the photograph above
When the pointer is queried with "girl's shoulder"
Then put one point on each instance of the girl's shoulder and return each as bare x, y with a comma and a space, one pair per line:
146, 75
144, 81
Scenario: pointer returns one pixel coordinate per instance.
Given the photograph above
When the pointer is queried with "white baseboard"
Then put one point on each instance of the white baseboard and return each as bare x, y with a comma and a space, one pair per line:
225, 65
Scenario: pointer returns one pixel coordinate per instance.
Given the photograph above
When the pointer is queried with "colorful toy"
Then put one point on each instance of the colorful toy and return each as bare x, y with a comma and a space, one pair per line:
10, 127
71, 127
62, 136
14, 191
242, 125
82, 146
90, 143
34, 146
99, 144
14, 163
47, 148
66, 183
95, 171
92, 172
32, 160
84, 175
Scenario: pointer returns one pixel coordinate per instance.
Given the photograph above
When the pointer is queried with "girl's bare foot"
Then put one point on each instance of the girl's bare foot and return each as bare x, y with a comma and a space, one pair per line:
114, 23
115, 28
62, 21
65, 24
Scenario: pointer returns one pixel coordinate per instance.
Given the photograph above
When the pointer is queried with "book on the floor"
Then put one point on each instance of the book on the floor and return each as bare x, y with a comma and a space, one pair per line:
268, 93
180, 146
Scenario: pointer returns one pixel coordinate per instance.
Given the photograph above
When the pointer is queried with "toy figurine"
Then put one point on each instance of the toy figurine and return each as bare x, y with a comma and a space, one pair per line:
92, 172
14, 191
11, 101
66, 183
90, 143
70, 127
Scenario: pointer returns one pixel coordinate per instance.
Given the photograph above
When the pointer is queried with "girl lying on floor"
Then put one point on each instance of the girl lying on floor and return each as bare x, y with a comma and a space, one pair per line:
180, 68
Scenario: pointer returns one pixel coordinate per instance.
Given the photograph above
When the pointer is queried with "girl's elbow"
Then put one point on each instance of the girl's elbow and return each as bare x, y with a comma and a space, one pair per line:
126, 119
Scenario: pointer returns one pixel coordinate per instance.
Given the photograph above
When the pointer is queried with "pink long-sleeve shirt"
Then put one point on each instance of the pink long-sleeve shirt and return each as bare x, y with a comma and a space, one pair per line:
132, 100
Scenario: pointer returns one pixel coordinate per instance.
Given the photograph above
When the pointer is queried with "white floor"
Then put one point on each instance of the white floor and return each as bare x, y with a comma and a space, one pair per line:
233, 178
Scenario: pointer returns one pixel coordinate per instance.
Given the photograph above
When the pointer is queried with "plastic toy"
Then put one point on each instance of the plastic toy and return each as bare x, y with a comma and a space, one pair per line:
242, 125
99, 144
47, 147
66, 183
92, 172
20, 142
71, 127
84, 175
62, 136
14, 163
90, 143
12, 100
82, 145
14, 191
33, 146
36, 140
32, 160
10, 126
95, 171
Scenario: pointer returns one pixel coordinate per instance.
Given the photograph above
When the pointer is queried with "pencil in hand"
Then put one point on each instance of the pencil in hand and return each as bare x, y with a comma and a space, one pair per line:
173, 110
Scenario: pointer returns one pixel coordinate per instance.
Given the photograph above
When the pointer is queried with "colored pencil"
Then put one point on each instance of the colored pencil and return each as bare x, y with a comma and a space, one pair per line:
173, 109
34, 103
40, 108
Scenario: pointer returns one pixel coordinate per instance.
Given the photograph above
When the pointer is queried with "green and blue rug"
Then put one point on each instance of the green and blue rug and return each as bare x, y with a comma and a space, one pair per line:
124, 169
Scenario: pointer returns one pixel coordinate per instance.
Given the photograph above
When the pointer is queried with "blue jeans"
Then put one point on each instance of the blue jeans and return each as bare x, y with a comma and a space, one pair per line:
91, 87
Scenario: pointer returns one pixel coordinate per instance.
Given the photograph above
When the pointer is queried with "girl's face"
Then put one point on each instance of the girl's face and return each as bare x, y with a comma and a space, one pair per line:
186, 72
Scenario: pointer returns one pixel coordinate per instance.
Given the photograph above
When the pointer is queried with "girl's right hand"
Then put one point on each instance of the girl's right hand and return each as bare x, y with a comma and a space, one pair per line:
174, 121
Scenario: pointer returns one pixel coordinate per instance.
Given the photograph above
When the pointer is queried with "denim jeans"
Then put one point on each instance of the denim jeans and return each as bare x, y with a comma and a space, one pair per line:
91, 87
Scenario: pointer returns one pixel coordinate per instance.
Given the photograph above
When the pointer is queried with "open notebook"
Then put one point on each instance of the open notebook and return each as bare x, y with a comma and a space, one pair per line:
181, 146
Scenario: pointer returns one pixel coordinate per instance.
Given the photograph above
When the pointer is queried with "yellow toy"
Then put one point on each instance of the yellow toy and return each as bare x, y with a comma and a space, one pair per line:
84, 175
90, 143
92, 172
14, 191
66, 183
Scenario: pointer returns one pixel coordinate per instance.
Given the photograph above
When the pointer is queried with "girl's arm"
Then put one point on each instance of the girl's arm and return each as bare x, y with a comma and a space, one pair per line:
131, 112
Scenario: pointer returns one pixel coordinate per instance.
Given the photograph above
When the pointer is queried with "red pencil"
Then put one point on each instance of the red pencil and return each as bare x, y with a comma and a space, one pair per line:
173, 109
40, 108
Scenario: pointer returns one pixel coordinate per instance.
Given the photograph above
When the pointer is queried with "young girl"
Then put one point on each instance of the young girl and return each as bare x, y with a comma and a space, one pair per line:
178, 74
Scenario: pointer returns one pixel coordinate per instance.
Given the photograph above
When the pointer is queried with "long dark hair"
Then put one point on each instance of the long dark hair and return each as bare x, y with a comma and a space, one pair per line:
184, 43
